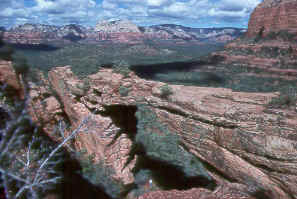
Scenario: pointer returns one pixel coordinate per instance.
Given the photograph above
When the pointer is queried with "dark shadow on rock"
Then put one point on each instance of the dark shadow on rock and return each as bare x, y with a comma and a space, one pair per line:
75, 186
168, 176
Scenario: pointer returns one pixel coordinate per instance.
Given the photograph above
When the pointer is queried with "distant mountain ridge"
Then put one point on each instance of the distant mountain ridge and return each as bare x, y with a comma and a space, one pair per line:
188, 33
122, 31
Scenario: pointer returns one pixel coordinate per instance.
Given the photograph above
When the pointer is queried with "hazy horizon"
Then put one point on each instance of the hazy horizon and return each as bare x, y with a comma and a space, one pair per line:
92, 26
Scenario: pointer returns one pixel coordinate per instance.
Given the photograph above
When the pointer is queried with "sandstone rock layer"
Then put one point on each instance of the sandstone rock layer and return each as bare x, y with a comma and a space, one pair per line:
232, 132
273, 16
247, 147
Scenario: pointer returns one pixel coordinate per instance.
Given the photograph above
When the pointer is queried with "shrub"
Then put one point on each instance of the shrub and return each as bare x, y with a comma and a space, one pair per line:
286, 99
6, 52
28, 165
215, 59
271, 36
166, 91
270, 51
122, 67
82, 88
124, 91
141, 178
282, 35
86, 85
160, 144
285, 35
99, 174
20, 65
259, 34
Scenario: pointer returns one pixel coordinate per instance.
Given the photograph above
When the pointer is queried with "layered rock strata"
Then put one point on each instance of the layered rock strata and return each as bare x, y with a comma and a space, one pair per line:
270, 43
273, 16
236, 136
233, 133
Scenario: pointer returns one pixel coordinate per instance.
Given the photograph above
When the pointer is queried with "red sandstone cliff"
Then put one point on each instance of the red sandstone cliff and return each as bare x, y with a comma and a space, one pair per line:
270, 43
273, 16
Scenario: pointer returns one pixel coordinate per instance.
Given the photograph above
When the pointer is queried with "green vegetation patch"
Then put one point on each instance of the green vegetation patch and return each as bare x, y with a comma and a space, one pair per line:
166, 91
286, 99
124, 91
99, 174
163, 145
87, 59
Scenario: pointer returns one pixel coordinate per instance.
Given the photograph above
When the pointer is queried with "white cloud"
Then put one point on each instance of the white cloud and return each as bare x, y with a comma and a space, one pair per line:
232, 10
140, 11
158, 3
108, 5
63, 5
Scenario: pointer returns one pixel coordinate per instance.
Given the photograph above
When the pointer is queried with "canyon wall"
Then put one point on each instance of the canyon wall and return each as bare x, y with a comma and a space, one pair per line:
273, 16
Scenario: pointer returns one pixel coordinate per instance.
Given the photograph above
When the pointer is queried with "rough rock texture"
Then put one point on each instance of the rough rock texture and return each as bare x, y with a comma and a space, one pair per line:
7, 75
44, 108
99, 131
270, 43
227, 191
273, 15
273, 57
116, 26
233, 133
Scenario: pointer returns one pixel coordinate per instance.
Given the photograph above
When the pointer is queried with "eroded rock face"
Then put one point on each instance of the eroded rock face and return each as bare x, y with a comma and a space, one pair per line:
227, 191
247, 149
273, 16
233, 133
8, 76
101, 131
274, 58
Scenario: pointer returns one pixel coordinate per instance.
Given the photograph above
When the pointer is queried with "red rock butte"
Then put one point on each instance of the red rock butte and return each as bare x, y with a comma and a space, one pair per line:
273, 16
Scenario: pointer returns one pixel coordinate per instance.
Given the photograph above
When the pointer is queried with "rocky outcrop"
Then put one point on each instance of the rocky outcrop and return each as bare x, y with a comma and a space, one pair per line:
273, 16
242, 147
274, 58
234, 134
8, 76
226, 191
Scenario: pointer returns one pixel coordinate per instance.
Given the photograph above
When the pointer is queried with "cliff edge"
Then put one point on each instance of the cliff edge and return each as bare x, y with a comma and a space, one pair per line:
273, 16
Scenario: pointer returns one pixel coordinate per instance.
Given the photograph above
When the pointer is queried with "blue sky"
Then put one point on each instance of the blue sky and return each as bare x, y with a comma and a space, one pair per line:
194, 13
